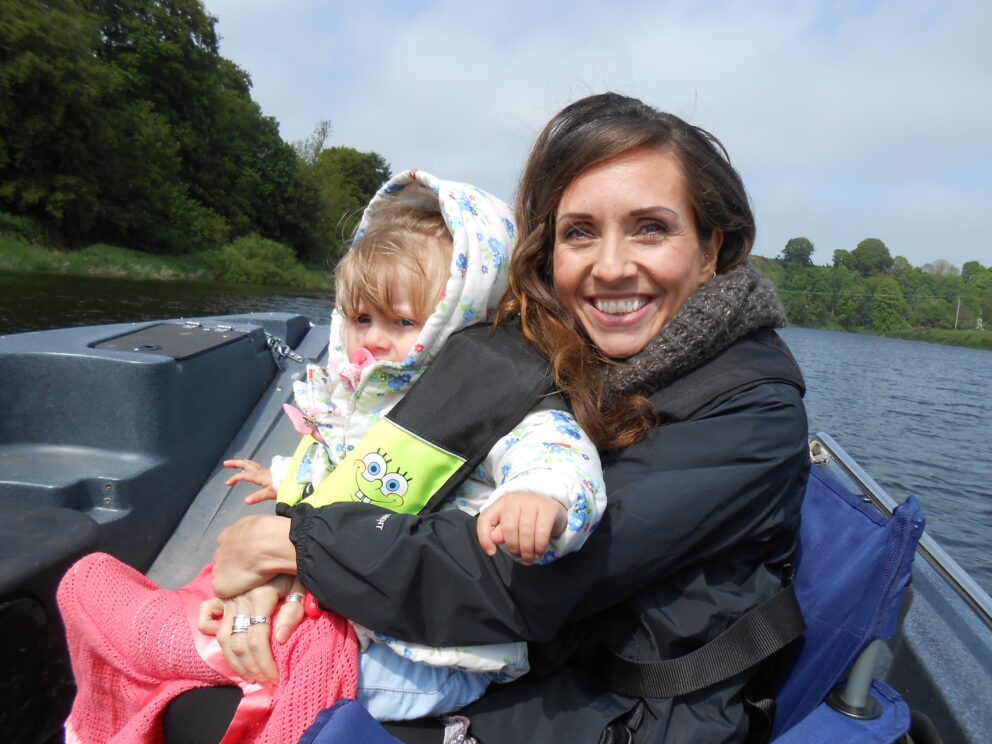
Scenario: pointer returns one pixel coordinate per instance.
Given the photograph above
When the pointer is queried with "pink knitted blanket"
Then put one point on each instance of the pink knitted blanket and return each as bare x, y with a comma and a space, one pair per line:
133, 650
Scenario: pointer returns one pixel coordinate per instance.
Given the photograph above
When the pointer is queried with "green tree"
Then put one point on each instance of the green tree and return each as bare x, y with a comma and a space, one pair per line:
901, 264
52, 106
971, 269
842, 258
871, 257
347, 180
798, 251
851, 303
120, 122
888, 307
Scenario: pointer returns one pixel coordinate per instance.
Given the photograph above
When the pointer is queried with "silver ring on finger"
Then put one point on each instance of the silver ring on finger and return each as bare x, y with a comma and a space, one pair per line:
240, 624
258, 619
294, 598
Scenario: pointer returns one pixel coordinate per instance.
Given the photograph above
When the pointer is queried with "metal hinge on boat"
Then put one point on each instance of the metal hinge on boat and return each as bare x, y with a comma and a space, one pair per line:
281, 350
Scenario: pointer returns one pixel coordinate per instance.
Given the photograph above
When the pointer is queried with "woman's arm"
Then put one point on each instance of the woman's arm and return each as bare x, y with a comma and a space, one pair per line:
691, 490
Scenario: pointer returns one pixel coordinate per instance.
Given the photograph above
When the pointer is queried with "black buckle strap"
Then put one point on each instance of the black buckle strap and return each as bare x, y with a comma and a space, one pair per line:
754, 637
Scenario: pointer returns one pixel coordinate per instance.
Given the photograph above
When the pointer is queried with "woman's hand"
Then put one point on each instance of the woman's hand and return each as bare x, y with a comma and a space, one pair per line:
250, 552
250, 471
524, 522
249, 653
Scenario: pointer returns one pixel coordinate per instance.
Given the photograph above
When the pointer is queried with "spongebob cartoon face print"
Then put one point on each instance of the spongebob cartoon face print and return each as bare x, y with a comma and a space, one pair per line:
378, 482
374, 476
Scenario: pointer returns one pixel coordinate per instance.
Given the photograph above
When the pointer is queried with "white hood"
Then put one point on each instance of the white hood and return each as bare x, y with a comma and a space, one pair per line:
482, 232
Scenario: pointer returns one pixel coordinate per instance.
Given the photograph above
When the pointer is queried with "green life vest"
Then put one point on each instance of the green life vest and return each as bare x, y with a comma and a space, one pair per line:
481, 384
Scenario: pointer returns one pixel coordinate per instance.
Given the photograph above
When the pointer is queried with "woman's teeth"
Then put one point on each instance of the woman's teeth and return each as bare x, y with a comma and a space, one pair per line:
620, 307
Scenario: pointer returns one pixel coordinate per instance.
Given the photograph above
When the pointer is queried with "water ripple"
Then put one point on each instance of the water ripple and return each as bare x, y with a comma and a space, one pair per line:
917, 417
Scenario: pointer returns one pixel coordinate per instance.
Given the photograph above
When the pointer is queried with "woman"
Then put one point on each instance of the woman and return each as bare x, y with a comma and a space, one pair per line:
630, 275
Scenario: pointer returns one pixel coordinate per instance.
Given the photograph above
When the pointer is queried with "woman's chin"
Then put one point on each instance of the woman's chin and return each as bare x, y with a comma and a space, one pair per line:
621, 343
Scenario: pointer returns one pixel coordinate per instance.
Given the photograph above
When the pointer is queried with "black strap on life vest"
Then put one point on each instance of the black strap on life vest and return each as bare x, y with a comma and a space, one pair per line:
752, 639
481, 384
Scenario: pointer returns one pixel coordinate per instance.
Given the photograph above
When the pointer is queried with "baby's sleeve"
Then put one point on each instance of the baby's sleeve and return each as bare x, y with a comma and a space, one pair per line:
278, 468
548, 454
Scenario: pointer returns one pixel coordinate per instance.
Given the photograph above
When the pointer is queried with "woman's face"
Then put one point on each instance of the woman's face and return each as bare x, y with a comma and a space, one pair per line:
626, 252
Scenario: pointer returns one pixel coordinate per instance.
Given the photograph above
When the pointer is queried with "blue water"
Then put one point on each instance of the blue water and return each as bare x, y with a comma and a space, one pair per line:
918, 418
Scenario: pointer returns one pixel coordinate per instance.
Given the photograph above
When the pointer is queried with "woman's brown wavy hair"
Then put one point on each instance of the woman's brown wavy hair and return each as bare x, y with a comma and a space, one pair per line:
587, 132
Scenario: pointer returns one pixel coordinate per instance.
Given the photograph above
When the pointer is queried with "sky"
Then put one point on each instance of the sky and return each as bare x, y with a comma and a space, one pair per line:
847, 119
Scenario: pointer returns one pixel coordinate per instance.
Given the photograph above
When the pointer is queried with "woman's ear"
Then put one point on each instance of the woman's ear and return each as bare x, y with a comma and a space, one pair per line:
711, 255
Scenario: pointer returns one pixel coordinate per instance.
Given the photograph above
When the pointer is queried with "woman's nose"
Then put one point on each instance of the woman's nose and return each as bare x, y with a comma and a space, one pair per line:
612, 261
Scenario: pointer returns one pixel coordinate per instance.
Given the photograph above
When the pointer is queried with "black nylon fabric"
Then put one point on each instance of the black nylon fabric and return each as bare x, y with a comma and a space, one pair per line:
758, 634
481, 384
701, 519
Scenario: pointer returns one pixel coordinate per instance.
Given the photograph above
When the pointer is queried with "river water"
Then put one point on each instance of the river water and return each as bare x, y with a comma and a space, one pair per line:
916, 416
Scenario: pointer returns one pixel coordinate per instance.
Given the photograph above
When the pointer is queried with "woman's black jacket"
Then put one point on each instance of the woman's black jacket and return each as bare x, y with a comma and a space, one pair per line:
700, 523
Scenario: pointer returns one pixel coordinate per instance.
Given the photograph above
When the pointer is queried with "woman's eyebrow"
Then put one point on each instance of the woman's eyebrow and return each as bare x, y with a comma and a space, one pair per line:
574, 216
642, 211
653, 210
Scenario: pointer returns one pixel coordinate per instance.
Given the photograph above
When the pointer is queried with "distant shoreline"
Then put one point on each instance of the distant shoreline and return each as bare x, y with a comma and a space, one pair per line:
981, 340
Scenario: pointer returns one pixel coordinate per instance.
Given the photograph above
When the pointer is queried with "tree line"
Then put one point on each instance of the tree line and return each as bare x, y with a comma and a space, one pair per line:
867, 288
120, 122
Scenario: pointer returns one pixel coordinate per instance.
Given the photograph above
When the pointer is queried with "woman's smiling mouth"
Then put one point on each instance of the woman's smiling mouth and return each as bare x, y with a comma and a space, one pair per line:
620, 305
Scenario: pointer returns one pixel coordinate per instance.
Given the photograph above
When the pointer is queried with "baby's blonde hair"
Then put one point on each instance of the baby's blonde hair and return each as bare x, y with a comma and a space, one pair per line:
401, 244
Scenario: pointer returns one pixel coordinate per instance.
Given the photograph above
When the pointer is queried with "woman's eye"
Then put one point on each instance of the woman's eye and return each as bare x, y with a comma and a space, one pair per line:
654, 228
576, 232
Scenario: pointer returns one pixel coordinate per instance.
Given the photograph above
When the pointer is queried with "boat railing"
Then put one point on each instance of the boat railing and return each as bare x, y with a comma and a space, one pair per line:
948, 568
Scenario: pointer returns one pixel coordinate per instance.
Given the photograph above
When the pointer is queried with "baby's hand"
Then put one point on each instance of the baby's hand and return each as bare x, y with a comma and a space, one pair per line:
252, 472
524, 522
210, 616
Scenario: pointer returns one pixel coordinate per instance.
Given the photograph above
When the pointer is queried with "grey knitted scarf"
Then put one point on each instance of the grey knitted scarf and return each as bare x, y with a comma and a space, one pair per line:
727, 307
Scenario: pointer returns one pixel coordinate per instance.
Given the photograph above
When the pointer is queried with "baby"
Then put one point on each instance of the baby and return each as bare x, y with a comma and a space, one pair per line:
431, 258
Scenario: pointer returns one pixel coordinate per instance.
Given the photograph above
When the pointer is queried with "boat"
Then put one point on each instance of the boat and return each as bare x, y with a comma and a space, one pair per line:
112, 438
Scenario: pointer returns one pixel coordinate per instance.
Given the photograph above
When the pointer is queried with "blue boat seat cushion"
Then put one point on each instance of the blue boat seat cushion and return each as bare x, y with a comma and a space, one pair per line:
852, 566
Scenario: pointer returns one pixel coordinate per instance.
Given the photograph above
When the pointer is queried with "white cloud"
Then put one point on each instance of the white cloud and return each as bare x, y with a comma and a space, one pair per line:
846, 119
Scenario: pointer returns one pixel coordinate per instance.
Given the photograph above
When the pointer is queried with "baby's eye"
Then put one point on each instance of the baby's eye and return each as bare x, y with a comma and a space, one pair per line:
362, 319
407, 323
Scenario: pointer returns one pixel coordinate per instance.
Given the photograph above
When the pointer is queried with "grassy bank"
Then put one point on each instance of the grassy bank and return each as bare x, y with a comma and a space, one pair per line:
948, 337
249, 260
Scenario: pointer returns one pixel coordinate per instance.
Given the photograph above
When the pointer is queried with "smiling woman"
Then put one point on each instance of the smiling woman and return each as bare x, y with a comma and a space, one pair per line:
625, 264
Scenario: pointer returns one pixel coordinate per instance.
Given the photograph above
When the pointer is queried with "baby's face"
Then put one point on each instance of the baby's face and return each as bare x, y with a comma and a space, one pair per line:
389, 335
